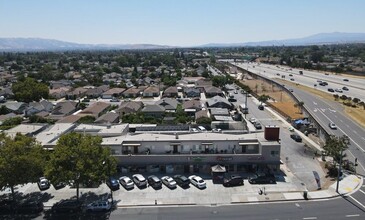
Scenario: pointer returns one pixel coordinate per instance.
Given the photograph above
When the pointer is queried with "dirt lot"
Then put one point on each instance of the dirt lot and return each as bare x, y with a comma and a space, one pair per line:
357, 114
280, 99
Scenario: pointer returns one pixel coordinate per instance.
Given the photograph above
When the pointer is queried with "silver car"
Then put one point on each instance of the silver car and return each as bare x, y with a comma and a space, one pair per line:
139, 180
126, 182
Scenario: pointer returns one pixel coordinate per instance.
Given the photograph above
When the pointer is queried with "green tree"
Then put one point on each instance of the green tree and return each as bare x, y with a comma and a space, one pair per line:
30, 90
88, 119
263, 98
204, 121
80, 159
334, 146
22, 161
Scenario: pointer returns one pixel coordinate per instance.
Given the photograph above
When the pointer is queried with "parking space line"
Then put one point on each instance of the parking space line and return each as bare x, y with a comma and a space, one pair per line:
310, 218
355, 215
357, 202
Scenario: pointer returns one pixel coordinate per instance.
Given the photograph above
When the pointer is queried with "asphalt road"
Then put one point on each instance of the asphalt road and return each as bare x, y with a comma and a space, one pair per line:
325, 111
295, 156
309, 78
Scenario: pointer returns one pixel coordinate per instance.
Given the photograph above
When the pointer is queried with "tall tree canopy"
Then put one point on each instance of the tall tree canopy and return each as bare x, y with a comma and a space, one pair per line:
29, 90
80, 159
22, 161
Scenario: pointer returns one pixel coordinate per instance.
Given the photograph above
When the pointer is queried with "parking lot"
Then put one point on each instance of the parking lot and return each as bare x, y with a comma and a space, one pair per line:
212, 194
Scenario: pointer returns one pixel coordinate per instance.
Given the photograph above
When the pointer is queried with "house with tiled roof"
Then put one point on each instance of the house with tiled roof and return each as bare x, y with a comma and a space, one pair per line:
132, 93
129, 107
170, 92
151, 91
96, 109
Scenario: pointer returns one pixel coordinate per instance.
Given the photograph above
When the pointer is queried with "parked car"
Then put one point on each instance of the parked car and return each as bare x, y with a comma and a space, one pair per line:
262, 179
112, 183
28, 206
332, 125
291, 90
261, 107
43, 183
139, 180
126, 182
154, 181
67, 206
217, 130
102, 205
253, 120
233, 180
258, 125
182, 181
169, 182
345, 88
194, 130
202, 129
197, 181
296, 137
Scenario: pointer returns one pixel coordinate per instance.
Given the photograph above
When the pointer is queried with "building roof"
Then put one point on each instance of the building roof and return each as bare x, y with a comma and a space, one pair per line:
102, 130
212, 89
168, 103
51, 135
132, 91
133, 105
110, 117
171, 89
218, 99
201, 114
219, 111
192, 104
113, 91
95, 109
70, 119
153, 108
64, 108
25, 129
152, 89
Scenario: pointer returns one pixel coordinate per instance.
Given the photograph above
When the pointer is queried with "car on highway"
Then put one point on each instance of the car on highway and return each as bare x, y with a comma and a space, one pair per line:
290, 74
235, 92
233, 180
296, 137
330, 90
262, 179
126, 182
67, 206
338, 90
169, 182
99, 206
182, 181
43, 183
197, 181
112, 183
139, 180
292, 79
291, 90
332, 126
261, 107
345, 88
346, 80
154, 182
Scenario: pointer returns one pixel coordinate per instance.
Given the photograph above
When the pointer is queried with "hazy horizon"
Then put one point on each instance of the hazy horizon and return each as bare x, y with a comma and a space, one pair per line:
177, 23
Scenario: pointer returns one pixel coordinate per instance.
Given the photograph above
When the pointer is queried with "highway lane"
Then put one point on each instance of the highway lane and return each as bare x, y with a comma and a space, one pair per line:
309, 78
324, 112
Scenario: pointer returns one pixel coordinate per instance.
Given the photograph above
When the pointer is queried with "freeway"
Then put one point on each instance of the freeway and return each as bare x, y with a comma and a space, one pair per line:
356, 86
324, 112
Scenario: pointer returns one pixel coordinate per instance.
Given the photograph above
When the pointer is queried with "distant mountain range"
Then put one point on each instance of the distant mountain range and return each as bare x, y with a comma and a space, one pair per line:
38, 44
317, 39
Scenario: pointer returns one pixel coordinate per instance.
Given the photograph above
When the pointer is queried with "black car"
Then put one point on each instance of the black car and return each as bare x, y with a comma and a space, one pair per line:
182, 181
258, 125
296, 137
7, 206
330, 90
154, 181
67, 206
112, 183
262, 179
29, 207
345, 88
261, 107
233, 180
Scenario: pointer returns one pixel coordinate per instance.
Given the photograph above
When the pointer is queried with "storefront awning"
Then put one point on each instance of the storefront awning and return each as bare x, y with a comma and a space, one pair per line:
207, 143
132, 145
218, 169
249, 143
175, 143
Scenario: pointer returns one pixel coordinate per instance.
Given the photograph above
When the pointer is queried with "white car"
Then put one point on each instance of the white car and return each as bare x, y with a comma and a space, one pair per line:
43, 183
102, 205
194, 130
197, 181
339, 90
253, 120
139, 180
168, 181
126, 182
217, 130
332, 126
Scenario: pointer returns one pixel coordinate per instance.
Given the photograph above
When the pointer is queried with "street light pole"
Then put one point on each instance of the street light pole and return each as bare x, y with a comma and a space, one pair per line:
108, 170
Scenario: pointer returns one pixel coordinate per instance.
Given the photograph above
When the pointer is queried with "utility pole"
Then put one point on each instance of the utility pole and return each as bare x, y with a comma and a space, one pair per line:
339, 171
246, 104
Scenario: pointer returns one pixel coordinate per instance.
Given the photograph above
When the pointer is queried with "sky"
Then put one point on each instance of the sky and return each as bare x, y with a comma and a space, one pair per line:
178, 22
